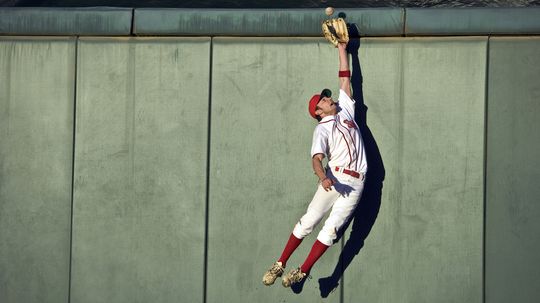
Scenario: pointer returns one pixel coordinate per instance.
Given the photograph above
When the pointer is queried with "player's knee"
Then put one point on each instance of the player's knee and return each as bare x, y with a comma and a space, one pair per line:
301, 229
300, 233
327, 236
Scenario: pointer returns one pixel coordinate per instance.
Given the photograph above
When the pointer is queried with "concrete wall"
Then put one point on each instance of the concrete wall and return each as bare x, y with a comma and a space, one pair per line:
426, 112
140, 170
36, 156
512, 171
191, 166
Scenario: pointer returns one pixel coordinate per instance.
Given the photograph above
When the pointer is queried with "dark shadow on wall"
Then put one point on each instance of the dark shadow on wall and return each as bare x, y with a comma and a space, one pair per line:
368, 208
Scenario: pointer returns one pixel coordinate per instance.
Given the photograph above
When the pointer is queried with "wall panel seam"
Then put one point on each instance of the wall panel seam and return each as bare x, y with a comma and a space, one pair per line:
208, 149
75, 71
404, 22
484, 181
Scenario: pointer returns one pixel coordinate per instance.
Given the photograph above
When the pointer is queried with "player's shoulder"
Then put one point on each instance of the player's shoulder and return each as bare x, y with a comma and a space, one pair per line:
347, 104
344, 97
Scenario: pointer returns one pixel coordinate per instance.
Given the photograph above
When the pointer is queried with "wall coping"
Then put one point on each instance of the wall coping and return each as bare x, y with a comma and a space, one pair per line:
113, 21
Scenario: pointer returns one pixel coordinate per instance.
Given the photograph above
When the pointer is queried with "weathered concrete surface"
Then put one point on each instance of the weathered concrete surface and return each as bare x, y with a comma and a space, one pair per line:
513, 171
140, 169
473, 21
36, 147
261, 22
426, 113
45, 21
261, 179
140, 173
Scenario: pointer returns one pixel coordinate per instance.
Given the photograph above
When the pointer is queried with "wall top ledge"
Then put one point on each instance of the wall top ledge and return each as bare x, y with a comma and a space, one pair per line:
111, 21
473, 21
262, 22
44, 21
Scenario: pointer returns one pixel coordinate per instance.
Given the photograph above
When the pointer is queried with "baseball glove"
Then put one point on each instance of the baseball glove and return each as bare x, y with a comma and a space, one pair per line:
335, 31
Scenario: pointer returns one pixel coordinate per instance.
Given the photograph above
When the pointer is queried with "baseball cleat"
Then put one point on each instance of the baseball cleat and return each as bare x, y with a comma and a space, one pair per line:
294, 276
273, 273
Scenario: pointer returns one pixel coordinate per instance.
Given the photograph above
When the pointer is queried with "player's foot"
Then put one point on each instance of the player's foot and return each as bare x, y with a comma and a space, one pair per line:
273, 273
294, 276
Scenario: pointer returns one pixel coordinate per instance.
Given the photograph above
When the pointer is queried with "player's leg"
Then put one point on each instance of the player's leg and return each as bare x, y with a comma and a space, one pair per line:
322, 202
342, 210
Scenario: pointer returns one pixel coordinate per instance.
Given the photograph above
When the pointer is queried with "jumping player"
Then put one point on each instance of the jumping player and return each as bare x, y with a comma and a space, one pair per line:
338, 138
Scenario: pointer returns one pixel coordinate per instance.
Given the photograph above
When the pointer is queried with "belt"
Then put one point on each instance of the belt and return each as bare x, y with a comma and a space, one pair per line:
350, 172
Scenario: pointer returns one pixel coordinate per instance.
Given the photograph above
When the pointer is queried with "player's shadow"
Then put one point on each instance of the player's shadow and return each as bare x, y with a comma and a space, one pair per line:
368, 208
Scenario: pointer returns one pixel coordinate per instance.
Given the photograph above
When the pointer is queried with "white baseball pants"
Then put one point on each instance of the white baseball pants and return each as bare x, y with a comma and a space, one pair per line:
342, 199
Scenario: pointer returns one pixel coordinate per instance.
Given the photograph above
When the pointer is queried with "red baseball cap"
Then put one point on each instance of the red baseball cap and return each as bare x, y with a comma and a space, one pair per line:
315, 100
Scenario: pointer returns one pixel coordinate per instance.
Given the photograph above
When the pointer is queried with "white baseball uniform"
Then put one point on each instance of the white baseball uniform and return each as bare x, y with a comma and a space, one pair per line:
339, 139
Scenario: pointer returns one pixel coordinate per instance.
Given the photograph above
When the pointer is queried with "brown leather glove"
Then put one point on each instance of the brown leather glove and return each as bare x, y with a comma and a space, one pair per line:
335, 31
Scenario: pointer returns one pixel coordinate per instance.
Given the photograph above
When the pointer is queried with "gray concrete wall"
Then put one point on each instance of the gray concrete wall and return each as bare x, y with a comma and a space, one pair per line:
36, 147
426, 112
140, 170
512, 171
261, 178
145, 227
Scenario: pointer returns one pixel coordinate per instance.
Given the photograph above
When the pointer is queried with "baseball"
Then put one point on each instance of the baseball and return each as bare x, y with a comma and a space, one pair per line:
329, 11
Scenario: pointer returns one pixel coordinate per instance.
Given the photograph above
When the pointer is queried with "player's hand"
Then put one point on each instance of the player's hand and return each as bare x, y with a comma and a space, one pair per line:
327, 183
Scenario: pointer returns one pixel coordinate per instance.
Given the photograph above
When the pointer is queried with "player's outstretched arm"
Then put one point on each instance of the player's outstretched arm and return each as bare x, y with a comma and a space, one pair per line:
344, 81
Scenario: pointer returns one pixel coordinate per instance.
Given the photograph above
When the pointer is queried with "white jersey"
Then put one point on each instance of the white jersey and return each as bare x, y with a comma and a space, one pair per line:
339, 139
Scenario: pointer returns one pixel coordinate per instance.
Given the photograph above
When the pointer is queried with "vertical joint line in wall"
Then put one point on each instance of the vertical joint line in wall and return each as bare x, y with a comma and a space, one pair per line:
342, 271
75, 71
131, 30
207, 200
401, 125
484, 227
404, 24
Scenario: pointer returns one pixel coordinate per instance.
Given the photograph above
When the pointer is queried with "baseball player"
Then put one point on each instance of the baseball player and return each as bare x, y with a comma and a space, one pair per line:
337, 138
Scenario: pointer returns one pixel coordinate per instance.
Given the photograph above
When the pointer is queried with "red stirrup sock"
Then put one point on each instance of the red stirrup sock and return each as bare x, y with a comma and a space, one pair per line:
291, 246
316, 252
